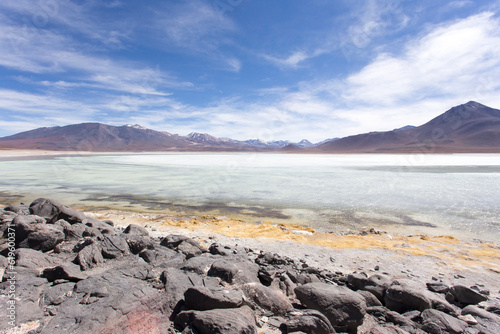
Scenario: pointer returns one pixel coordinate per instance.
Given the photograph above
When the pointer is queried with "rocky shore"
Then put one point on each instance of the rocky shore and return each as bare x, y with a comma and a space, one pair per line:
67, 272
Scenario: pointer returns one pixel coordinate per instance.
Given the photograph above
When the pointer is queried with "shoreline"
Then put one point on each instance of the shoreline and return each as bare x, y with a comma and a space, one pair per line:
396, 253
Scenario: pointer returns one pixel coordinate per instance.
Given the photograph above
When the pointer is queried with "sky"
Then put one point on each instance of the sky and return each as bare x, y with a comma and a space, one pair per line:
260, 69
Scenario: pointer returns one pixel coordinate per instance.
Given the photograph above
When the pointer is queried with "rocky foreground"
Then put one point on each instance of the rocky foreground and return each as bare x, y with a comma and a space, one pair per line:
65, 272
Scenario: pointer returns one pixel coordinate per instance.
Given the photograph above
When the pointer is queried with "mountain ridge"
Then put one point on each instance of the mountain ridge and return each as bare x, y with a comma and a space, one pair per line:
470, 127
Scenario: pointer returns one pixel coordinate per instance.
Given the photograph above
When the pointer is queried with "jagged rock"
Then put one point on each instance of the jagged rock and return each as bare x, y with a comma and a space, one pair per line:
56, 294
75, 231
466, 295
307, 321
202, 298
384, 315
357, 281
437, 322
488, 320
404, 295
138, 243
46, 208
89, 257
268, 299
116, 301
29, 291
221, 321
217, 249
378, 284
42, 237
160, 255
189, 249
103, 227
34, 260
70, 215
438, 287
93, 232
21, 209
233, 271
176, 284
135, 229
370, 298
67, 271
199, 264
343, 307
173, 240
272, 259
114, 246
386, 329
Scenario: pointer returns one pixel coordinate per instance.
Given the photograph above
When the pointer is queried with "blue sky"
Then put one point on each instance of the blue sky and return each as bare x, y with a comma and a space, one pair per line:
282, 69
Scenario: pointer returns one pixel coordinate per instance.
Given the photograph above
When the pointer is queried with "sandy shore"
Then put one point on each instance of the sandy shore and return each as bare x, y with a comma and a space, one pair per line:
415, 256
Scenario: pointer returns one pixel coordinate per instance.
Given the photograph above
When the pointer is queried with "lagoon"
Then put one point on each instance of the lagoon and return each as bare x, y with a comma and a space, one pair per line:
455, 194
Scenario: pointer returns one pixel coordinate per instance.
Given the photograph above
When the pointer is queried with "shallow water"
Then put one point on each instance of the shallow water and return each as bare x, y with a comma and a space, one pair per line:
433, 194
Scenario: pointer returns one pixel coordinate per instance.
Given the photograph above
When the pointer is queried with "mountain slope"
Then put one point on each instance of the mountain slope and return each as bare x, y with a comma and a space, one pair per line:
470, 127
104, 138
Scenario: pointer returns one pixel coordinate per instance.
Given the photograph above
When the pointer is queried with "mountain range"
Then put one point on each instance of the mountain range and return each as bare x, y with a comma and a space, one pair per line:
470, 127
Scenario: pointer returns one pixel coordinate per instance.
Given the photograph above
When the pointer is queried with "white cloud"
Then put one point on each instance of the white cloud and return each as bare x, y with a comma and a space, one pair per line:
291, 61
446, 62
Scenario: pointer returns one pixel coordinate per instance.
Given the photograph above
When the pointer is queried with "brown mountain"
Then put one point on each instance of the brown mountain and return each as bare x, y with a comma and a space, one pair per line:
106, 138
470, 127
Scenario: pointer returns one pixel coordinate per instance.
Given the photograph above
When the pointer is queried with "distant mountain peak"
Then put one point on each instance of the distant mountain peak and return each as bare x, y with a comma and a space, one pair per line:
136, 126
406, 127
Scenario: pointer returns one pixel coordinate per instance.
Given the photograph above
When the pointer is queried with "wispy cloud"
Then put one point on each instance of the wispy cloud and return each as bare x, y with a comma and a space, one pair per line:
293, 60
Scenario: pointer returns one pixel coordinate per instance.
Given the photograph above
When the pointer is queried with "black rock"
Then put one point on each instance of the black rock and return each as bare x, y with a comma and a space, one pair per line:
233, 271
202, 298
370, 298
42, 237
438, 287
488, 320
437, 322
466, 295
89, 257
56, 294
344, 308
222, 321
135, 229
357, 281
268, 299
160, 255
67, 271
307, 321
405, 295
378, 284
46, 208
114, 246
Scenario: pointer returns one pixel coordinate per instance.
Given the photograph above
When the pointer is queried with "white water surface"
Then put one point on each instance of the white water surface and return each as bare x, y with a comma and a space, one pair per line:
455, 194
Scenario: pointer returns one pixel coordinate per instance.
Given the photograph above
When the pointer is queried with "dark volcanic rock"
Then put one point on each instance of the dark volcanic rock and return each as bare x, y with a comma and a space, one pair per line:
56, 294
384, 315
378, 284
343, 307
42, 237
67, 271
89, 257
114, 246
29, 292
117, 301
357, 281
135, 229
488, 320
234, 271
437, 322
466, 295
438, 287
270, 300
307, 321
202, 298
46, 208
222, 321
405, 295
160, 255
370, 298
138, 243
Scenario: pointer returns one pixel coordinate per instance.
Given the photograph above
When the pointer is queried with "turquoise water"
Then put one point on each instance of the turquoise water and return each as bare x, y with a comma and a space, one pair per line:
433, 194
